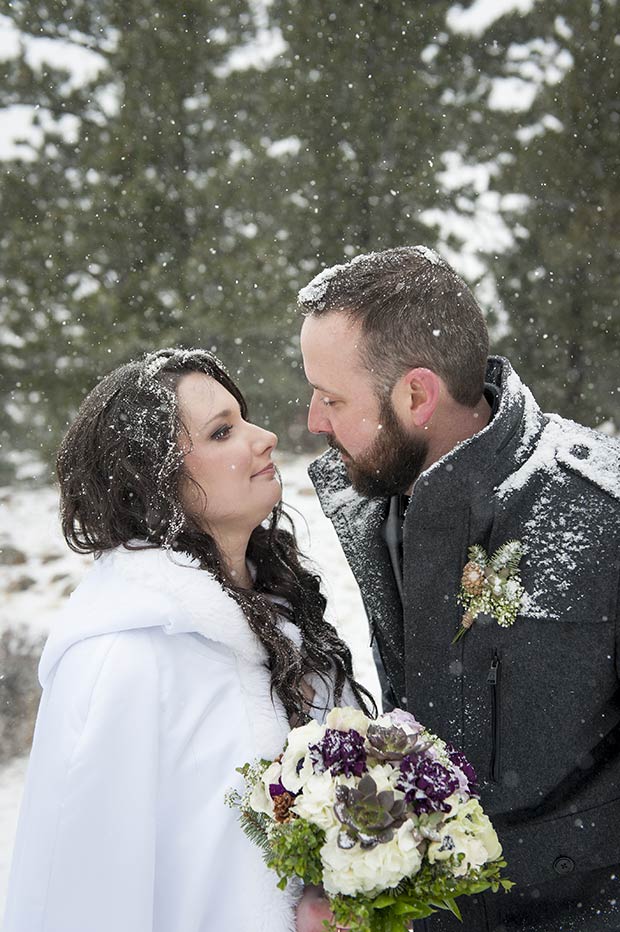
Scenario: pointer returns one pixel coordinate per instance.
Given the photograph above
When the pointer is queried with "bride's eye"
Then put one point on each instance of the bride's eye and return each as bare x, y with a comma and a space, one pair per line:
222, 432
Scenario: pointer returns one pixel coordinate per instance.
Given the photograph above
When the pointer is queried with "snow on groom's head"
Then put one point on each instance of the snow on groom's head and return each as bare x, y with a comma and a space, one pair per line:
413, 311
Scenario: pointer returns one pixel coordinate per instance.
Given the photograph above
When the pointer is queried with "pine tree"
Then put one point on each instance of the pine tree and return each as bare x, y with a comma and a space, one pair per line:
337, 149
100, 257
560, 281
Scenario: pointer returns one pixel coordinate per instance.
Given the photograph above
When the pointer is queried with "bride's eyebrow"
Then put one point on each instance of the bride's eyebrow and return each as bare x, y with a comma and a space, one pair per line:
226, 413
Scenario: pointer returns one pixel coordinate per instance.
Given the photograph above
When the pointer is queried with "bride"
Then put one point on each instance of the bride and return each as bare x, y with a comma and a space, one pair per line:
193, 644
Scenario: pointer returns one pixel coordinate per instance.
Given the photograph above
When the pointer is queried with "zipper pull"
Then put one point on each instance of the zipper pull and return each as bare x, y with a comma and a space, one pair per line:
493, 672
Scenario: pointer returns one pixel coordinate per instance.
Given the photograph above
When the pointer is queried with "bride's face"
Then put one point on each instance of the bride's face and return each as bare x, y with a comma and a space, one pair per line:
227, 457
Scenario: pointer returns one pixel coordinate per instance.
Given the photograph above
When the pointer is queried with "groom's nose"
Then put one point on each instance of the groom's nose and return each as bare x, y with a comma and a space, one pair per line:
318, 422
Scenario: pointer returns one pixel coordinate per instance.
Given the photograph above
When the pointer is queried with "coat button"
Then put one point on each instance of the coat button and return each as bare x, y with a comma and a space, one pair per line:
563, 865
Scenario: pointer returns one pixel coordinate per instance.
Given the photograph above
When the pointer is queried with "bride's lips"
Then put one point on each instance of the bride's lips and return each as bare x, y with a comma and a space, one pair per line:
269, 470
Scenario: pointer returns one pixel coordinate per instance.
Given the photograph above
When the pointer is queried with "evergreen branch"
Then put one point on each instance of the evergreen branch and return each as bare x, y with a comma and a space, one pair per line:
478, 554
508, 556
254, 824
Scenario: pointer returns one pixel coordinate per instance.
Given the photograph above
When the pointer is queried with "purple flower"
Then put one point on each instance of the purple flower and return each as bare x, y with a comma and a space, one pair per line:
426, 784
340, 752
458, 759
277, 789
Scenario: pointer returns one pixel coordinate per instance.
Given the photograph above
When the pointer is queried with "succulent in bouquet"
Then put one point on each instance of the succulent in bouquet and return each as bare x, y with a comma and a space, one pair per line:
381, 813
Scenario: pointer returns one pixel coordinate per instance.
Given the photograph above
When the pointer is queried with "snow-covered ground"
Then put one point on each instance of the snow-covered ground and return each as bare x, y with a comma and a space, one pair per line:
33, 590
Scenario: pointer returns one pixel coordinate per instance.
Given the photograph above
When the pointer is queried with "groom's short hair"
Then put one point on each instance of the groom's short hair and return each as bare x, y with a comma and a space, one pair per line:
414, 311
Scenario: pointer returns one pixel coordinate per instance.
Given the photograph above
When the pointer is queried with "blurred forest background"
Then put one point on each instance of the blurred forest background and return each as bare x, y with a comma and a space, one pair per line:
173, 172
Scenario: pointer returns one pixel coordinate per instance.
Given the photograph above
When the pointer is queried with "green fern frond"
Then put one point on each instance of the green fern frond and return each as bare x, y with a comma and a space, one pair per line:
254, 824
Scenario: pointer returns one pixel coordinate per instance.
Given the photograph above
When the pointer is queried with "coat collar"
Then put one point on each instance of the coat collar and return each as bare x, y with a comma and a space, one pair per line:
202, 605
472, 471
127, 589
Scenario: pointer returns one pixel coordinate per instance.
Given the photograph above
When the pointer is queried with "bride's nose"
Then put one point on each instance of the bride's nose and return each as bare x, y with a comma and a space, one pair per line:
265, 440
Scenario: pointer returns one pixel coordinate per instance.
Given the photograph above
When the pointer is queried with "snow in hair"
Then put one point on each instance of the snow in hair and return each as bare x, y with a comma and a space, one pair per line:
314, 292
153, 363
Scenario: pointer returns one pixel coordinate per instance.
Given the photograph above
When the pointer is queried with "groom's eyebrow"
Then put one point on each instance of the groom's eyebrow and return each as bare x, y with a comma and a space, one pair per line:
320, 388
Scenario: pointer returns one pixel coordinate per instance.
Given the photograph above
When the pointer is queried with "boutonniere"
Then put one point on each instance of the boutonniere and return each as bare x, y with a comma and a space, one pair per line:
492, 586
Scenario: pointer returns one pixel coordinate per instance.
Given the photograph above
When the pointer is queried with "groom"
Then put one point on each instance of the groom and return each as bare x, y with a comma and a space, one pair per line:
436, 447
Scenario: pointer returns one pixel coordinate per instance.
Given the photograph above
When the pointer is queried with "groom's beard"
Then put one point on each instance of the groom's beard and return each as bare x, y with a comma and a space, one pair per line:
391, 464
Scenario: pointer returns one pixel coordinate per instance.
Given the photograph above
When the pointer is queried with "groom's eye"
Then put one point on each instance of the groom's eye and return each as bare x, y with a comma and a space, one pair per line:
327, 402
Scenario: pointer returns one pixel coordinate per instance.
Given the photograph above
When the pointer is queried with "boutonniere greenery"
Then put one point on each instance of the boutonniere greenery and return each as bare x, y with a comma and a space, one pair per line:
492, 586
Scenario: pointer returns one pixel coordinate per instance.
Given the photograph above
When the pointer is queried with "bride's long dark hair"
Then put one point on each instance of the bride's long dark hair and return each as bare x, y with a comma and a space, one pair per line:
120, 468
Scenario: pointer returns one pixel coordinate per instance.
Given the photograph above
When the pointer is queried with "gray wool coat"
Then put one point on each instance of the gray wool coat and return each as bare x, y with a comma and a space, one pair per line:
535, 707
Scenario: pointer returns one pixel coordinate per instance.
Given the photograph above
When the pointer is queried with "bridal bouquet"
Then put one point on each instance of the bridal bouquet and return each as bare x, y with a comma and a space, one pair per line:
380, 812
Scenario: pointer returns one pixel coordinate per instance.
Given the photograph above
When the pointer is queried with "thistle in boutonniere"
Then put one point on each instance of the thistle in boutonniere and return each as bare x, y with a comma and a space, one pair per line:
492, 586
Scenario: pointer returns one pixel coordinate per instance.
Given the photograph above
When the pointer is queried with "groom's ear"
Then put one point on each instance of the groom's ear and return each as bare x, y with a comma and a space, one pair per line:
416, 396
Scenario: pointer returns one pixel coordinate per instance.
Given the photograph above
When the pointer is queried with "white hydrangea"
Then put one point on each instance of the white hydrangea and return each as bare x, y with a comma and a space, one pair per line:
386, 777
316, 803
355, 870
346, 719
296, 749
468, 832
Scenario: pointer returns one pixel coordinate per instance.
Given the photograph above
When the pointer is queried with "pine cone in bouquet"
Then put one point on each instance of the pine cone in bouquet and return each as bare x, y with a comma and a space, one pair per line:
473, 579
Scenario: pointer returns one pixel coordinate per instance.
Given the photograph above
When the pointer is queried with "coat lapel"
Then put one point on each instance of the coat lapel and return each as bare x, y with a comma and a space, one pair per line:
358, 522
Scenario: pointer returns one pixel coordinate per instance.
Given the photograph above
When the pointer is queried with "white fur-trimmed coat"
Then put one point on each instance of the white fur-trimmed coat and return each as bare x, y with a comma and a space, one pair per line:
154, 691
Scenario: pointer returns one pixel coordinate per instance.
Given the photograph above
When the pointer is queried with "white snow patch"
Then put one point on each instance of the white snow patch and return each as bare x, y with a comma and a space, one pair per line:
531, 411
565, 443
343, 498
83, 285
433, 257
512, 94
82, 64
258, 54
22, 129
525, 134
108, 97
477, 225
314, 291
289, 146
562, 28
479, 15
63, 54
457, 174
9, 39
543, 458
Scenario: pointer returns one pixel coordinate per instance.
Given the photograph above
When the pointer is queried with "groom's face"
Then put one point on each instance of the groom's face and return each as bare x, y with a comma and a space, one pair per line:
380, 455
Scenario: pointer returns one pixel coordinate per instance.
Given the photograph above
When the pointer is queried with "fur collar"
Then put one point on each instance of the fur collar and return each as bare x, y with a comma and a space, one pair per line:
200, 602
